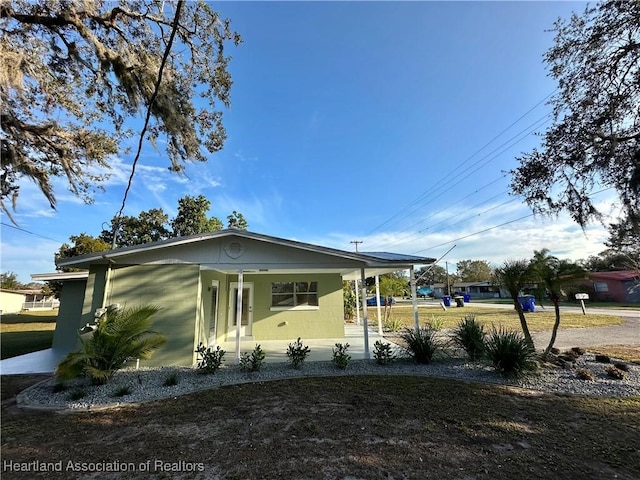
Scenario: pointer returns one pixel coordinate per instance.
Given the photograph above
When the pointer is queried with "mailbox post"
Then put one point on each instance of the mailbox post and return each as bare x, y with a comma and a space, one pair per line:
582, 297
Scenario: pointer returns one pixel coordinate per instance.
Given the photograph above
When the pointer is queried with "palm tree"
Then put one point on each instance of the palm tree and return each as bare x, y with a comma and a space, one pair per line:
512, 276
121, 335
552, 274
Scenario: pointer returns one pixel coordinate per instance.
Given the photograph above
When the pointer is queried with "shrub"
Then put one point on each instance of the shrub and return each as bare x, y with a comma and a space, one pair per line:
436, 323
383, 353
122, 391
297, 353
578, 350
509, 353
252, 362
421, 343
391, 325
77, 394
210, 360
59, 387
121, 335
602, 358
171, 380
621, 366
340, 356
584, 374
469, 335
614, 372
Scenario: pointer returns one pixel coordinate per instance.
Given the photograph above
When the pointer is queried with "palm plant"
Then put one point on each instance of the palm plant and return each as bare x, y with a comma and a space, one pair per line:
121, 335
512, 276
552, 274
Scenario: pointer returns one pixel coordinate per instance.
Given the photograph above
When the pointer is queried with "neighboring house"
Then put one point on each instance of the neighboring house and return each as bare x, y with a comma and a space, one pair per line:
280, 289
14, 301
473, 289
620, 286
11, 301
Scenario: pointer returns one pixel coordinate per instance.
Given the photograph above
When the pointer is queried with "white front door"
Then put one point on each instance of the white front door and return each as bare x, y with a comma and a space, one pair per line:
247, 309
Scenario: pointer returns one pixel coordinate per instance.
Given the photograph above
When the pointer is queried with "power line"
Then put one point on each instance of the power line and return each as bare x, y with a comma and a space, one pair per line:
30, 233
428, 191
475, 233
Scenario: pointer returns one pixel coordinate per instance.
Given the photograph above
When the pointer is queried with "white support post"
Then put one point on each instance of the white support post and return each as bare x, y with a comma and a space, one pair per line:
357, 304
414, 297
378, 305
365, 322
239, 313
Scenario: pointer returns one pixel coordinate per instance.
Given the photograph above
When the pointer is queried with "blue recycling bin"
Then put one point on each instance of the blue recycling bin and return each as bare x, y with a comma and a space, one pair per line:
446, 299
467, 298
528, 303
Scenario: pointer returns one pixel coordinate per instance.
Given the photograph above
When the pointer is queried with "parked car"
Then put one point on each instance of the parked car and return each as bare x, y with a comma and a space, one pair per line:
424, 292
371, 302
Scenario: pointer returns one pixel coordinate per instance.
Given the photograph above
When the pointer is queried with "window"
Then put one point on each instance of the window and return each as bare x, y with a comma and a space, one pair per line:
294, 294
600, 286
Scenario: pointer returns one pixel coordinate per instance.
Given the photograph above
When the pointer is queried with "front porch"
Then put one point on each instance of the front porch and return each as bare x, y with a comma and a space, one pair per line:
45, 361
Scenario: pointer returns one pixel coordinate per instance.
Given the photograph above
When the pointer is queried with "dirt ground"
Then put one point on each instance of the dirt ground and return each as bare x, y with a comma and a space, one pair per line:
347, 427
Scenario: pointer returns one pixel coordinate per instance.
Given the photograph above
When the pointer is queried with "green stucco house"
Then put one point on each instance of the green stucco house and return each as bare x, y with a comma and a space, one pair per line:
279, 289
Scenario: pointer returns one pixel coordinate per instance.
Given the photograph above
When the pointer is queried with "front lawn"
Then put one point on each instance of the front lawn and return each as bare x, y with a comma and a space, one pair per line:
26, 332
538, 321
374, 427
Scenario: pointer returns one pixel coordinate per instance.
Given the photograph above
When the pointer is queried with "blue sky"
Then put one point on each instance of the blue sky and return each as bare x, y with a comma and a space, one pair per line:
391, 123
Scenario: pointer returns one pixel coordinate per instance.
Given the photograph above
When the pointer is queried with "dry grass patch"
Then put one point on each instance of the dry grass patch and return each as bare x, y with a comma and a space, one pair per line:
538, 321
630, 353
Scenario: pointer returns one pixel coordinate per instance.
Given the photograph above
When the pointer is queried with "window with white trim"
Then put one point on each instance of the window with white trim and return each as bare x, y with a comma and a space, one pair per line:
294, 294
600, 286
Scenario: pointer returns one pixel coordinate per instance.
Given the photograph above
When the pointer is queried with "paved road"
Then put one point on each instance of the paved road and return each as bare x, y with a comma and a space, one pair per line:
626, 334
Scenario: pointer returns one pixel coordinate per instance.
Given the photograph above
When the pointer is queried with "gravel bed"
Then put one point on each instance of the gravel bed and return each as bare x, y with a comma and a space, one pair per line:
149, 384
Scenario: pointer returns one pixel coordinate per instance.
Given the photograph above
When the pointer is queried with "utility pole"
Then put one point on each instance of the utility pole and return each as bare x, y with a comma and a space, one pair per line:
448, 287
356, 242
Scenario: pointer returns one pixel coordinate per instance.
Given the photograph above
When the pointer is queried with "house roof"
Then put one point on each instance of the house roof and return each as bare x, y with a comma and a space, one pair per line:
199, 249
617, 275
59, 276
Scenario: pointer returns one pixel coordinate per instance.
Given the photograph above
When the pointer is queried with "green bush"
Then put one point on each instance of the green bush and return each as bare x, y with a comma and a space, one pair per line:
59, 387
383, 353
340, 356
77, 394
210, 360
171, 380
252, 362
120, 336
297, 353
421, 343
436, 323
122, 391
509, 353
391, 325
470, 336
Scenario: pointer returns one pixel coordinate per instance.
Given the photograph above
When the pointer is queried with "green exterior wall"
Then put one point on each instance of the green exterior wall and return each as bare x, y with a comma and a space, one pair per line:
186, 317
325, 322
70, 318
173, 288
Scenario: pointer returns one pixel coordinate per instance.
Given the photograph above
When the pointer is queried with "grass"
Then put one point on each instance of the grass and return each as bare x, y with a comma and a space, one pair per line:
588, 303
374, 427
26, 332
630, 353
538, 321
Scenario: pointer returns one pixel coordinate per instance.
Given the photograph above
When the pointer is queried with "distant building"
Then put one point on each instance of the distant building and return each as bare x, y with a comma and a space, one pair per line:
620, 286
484, 289
14, 301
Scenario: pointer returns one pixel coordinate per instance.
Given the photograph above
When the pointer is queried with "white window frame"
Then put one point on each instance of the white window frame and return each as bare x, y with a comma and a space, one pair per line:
296, 307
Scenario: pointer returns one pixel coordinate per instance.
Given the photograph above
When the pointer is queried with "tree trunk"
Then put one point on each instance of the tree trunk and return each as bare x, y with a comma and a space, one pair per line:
556, 306
523, 324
